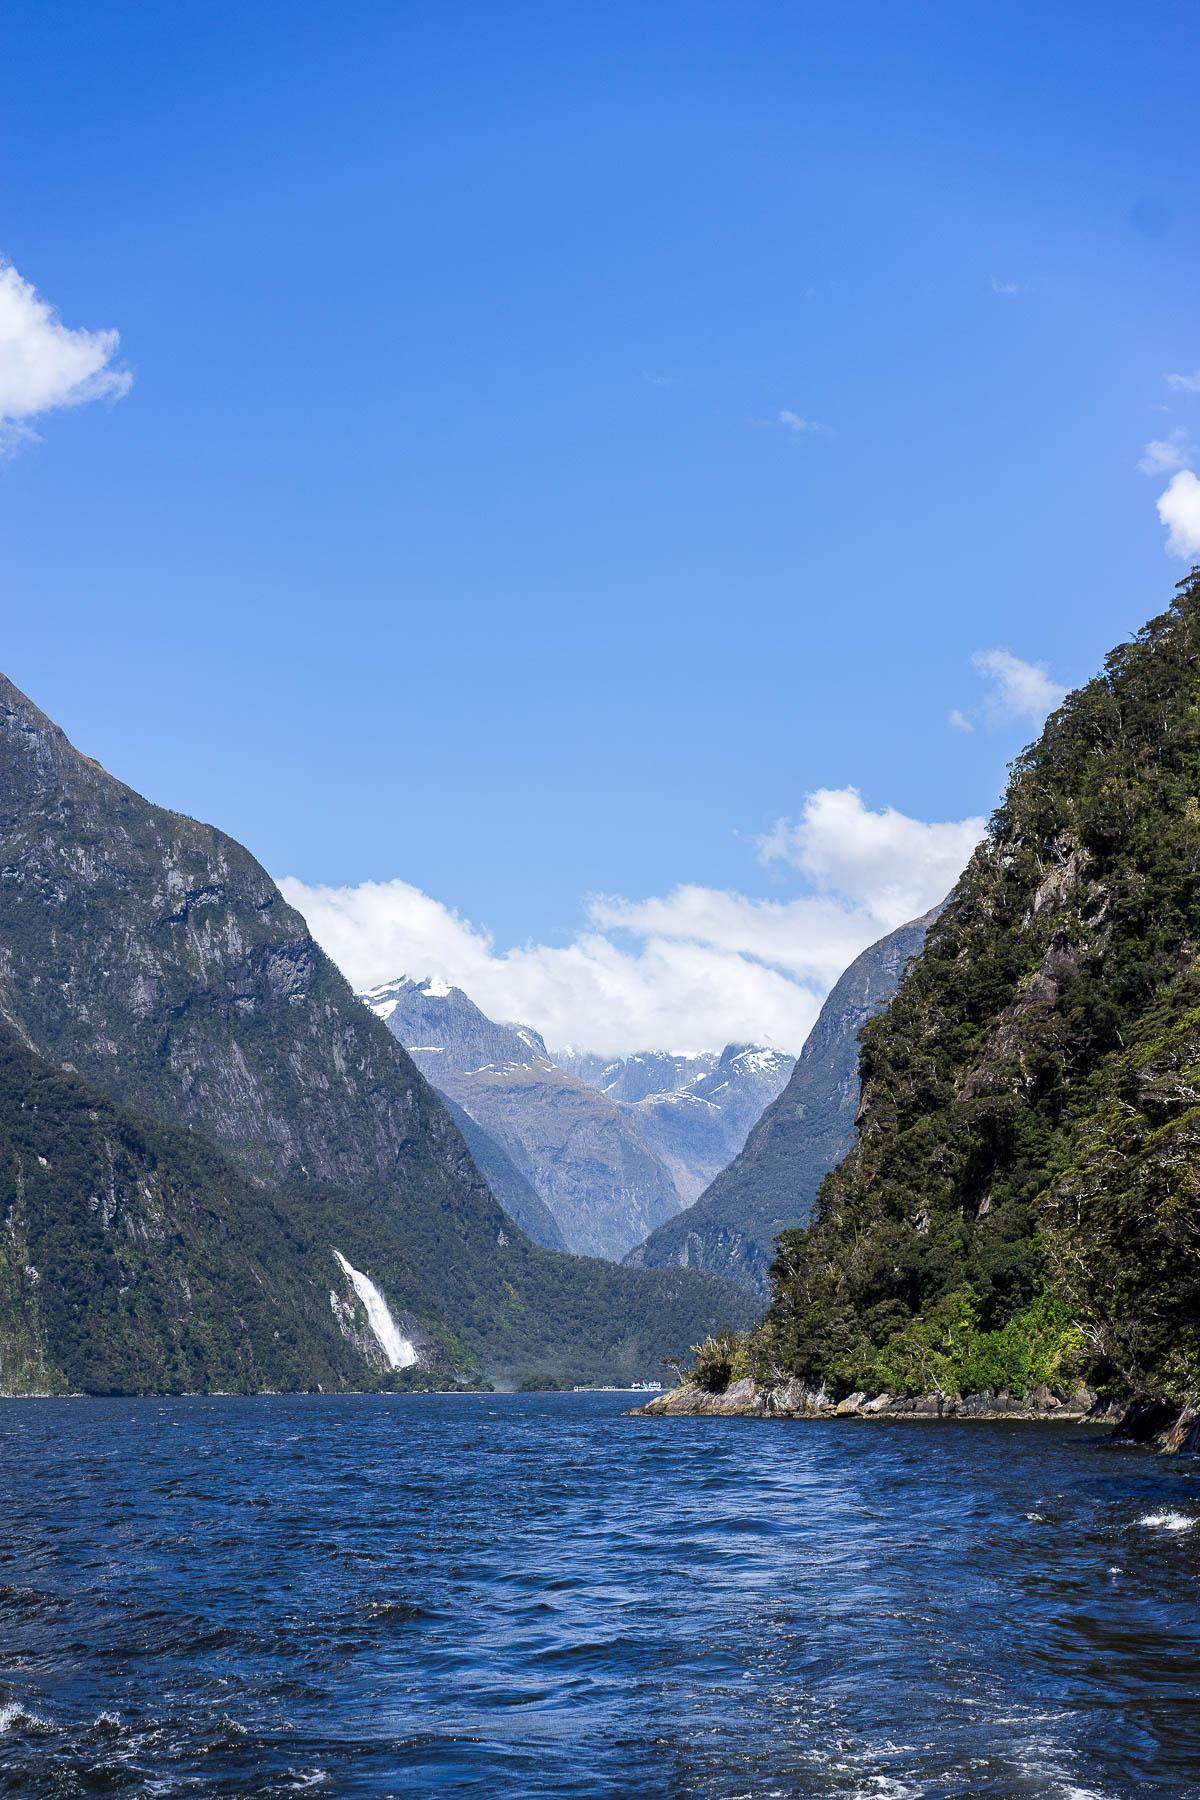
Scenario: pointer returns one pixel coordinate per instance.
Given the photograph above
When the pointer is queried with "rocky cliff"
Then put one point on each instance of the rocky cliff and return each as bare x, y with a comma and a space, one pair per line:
135, 1259
802, 1134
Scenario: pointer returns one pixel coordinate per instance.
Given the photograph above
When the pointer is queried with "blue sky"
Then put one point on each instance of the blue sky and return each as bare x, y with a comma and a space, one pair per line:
561, 440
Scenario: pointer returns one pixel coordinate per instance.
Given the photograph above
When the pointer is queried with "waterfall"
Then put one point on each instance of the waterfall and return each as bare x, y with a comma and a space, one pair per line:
399, 1352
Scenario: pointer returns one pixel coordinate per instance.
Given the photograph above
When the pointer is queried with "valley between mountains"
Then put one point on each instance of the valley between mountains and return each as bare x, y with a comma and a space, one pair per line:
976, 1188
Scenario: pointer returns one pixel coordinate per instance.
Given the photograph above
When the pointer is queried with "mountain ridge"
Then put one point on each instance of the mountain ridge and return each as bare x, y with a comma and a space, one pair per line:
153, 955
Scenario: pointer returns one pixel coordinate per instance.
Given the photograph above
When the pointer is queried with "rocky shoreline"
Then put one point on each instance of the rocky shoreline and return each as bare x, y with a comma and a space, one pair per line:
1169, 1427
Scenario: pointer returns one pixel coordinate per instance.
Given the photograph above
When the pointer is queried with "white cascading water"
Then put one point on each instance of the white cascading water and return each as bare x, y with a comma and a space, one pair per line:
399, 1352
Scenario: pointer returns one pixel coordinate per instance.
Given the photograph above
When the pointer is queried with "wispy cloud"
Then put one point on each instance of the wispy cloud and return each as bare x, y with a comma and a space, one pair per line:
1017, 691
1008, 287
1179, 510
794, 421
44, 364
1184, 384
692, 969
658, 380
1021, 690
1162, 454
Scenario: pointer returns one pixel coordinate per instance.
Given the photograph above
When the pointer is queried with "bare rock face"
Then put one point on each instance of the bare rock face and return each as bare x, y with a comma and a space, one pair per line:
1183, 1437
154, 955
694, 1112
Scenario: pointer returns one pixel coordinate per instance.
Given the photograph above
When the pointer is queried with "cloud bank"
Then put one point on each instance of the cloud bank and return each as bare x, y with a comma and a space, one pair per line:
692, 970
44, 364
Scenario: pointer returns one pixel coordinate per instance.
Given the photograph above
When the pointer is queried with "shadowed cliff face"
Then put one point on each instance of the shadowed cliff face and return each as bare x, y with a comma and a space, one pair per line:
803, 1134
136, 1259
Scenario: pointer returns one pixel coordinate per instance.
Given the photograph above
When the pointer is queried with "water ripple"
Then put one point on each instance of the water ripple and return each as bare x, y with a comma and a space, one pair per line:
532, 1596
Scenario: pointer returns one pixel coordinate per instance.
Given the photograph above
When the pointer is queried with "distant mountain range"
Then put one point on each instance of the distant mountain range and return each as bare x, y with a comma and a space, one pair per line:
693, 1111
612, 1146
235, 1176
804, 1133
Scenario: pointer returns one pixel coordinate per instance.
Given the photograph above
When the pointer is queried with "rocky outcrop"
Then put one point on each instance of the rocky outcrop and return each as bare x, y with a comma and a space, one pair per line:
1165, 1424
791, 1399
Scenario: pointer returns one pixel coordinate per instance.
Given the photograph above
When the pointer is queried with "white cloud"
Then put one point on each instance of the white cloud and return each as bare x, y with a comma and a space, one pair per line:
1179, 510
888, 866
1007, 287
691, 970
959, 720
1020, 690
1162, 454
1185, 384
795, 422
44, 364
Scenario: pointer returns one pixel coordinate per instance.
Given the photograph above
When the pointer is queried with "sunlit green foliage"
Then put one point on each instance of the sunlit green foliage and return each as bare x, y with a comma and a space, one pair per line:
1023, 1202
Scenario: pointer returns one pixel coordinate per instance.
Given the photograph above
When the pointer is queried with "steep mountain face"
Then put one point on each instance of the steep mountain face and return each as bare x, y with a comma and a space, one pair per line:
135, 1258
807, 1129
516, 1195
447, 1028
591, 1169
153, 957
638, 1077
1023, 1201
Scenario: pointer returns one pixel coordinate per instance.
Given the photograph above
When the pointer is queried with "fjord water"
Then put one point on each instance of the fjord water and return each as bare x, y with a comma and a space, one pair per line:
533, 1595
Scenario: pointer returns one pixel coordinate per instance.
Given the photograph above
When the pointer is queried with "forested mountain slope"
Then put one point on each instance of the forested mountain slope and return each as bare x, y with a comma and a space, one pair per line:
1023, 1201
134, 1258
153, 956
773, 1182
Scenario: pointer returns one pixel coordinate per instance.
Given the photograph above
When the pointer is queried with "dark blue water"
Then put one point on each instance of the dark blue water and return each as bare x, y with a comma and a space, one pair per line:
536, 1596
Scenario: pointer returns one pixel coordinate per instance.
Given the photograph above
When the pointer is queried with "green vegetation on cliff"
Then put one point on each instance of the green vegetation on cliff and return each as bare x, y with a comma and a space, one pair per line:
135, 1259
1023, 1200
